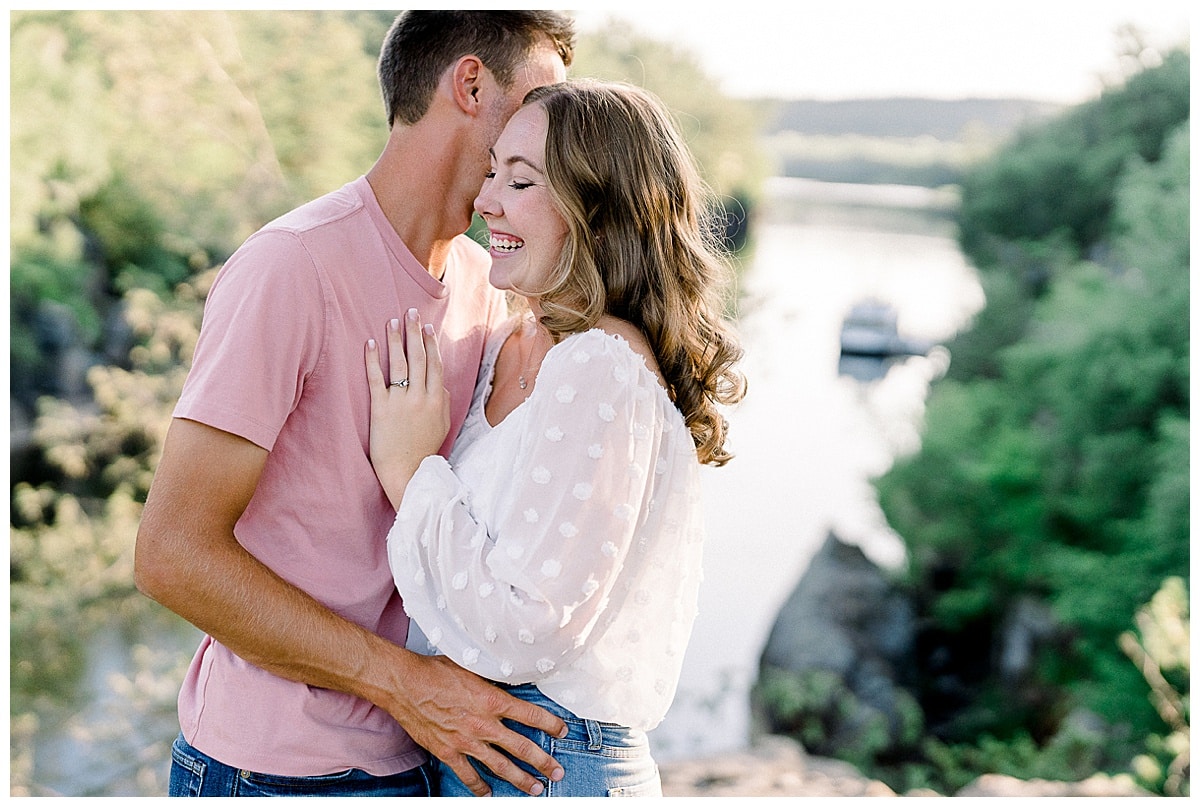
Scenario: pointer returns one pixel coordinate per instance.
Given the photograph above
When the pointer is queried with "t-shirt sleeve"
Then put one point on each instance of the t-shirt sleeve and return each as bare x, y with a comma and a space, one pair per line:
516, 598
260, 339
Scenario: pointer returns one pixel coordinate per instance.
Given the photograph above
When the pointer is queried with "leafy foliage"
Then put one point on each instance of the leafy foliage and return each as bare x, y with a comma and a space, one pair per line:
1161, 649
177, 133
1058, 181
1054, 462
818, 709
719, 131
71, 546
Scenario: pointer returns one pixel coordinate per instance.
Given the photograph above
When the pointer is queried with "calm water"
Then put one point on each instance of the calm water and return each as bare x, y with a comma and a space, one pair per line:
807, 442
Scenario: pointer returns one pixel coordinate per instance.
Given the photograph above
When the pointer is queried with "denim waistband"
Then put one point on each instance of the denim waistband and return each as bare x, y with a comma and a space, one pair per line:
589, 733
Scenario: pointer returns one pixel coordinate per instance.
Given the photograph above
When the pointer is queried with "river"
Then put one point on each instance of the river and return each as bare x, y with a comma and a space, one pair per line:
807, 440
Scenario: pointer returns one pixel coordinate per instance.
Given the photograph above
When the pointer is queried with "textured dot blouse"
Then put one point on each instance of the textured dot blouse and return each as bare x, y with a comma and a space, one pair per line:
562, 546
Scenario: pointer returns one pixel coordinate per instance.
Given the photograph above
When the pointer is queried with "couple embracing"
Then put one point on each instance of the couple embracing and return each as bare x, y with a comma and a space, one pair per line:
436, 508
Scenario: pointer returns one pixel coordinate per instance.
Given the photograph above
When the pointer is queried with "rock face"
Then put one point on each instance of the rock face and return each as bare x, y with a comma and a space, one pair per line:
829, 678
778, 766
842, 611
829, 667
993, 784
774, 766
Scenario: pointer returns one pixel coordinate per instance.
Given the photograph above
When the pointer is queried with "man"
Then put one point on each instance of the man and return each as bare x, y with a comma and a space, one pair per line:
265, 525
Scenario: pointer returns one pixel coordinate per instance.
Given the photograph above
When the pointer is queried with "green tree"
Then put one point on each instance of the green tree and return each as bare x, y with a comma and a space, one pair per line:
1056, 183
1054, 468
721, 131
1161, 650
147, 145
219, 120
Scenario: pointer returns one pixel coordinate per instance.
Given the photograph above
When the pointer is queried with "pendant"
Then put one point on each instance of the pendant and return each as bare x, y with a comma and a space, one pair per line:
521, 382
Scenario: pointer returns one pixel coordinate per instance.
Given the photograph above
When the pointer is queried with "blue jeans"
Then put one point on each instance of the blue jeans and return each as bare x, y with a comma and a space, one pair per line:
599, 759
196, 774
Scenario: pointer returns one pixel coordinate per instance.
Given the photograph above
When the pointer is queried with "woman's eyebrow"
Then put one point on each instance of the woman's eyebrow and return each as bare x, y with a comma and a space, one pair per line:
516, 158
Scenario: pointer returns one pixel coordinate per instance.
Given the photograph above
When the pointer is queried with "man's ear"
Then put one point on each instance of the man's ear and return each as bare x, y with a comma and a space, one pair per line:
467, 82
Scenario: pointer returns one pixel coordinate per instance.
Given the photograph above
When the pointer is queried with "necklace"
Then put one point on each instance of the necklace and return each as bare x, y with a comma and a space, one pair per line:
521, 381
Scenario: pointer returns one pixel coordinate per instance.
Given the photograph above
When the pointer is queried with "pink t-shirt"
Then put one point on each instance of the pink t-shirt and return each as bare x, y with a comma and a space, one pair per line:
280, 362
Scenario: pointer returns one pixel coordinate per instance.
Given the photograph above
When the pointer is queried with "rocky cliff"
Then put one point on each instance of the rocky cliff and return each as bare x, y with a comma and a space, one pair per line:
778, 766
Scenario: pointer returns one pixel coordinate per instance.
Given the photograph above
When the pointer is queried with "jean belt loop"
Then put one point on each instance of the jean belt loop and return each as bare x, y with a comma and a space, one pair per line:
595, 737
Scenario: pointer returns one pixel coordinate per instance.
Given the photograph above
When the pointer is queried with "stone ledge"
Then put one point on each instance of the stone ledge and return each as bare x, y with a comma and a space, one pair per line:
773, 766
779, 766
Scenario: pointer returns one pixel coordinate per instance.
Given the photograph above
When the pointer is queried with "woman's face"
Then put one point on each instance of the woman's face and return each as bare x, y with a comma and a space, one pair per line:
527, 233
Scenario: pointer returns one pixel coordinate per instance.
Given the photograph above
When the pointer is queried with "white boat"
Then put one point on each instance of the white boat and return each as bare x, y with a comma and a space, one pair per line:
870, 329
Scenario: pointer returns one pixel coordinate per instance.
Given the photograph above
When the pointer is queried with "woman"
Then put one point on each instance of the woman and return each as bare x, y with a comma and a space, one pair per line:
558, 552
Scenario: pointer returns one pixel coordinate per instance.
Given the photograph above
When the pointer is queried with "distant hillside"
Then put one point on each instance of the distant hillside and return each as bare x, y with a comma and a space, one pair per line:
905, 141
907, 117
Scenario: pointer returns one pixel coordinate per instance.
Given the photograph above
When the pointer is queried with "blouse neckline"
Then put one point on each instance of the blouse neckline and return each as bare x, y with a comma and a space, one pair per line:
492, 355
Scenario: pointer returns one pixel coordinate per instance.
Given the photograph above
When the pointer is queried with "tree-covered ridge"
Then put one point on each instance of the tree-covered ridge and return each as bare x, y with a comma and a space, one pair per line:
1055, 184
1053, 474
906, 141
147, 145
939, 118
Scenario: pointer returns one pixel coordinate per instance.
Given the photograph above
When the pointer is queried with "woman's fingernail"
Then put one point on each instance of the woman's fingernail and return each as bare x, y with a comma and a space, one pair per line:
412, 314
370, 344
394, 324
429, 328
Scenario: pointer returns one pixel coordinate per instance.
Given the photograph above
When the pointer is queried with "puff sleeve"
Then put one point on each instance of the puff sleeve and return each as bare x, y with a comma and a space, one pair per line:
519, 595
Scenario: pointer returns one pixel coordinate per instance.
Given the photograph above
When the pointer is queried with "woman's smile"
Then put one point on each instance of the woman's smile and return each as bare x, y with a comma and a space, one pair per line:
504, 244
516, 194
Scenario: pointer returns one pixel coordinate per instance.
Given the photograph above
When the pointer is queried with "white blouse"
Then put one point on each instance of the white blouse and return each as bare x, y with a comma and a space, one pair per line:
562, 547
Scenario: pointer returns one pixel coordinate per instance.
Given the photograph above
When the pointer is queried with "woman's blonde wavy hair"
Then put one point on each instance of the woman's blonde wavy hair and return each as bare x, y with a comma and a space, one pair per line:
642, 245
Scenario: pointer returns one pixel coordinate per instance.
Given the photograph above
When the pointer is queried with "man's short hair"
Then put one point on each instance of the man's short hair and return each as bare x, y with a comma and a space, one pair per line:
421, 44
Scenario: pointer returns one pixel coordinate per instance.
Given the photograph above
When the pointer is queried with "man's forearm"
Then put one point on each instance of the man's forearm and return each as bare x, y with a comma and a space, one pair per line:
188, 559
227, 593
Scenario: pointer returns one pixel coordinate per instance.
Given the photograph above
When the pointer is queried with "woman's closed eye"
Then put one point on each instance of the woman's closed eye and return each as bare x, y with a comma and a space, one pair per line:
516, 184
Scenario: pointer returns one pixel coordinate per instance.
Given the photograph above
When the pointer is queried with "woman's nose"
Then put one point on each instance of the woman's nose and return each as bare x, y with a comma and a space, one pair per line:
485, 202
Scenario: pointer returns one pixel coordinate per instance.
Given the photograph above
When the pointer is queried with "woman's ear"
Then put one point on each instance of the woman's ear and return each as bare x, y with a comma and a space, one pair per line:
466, 83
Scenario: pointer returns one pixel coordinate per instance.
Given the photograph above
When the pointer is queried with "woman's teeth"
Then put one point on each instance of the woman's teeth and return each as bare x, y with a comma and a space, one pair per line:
506, 244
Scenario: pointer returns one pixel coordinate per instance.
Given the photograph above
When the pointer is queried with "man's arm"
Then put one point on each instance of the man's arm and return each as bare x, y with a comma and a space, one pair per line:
187, 559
